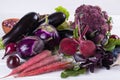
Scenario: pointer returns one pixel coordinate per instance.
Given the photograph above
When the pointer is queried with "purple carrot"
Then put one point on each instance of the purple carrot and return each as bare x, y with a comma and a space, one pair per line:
30, 62
42, 63
60, 65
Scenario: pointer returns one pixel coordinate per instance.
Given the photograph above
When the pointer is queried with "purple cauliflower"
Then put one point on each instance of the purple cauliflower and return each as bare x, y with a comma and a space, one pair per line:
97, 20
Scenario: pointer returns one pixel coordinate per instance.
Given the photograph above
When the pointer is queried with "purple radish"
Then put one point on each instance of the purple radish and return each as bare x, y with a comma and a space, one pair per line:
9, 49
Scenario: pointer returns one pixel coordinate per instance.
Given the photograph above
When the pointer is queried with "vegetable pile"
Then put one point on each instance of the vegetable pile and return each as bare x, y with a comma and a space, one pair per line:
48, 43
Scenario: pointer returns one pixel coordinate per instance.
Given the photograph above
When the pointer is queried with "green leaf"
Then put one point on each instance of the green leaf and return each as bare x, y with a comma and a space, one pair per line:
117, 42
64, 75
72, 72
109, 20
1, 44
111, 44
64, 10
63, 26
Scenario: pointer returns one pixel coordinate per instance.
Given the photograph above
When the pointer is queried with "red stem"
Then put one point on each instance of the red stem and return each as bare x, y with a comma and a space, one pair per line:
85, 30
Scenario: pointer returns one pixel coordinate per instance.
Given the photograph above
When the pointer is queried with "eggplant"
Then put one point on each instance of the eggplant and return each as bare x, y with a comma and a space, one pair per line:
29, 23
23, 27
54, 19
49, 35
29, 46
65, 33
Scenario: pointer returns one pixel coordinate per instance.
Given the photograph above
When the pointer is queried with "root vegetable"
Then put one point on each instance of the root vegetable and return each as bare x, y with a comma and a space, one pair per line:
42, 63
30, 62
87, 47
68, 46
45, 69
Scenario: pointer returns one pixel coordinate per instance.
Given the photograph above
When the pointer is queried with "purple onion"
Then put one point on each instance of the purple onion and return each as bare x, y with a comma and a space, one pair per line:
29, 46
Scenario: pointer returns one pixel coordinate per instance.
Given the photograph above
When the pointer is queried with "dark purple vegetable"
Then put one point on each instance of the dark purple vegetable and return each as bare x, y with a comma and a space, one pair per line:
96, 19
9, 49
54, 19
29, 23
65, 33
29, 46
114, 36
24, 26
13, 61
100, 59
107, 60
49, 34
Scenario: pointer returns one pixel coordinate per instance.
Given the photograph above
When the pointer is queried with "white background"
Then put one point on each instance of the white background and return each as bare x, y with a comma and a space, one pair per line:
47, 6
17, 8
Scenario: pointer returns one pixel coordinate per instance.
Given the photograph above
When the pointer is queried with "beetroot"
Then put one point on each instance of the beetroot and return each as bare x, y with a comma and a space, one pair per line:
87, 48
68, 46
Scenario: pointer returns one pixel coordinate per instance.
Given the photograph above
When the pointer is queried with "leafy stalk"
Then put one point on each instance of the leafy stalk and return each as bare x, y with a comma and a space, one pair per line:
75, 33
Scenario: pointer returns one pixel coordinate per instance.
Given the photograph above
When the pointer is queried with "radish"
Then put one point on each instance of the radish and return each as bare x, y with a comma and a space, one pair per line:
30, 62
44, 62
45, 69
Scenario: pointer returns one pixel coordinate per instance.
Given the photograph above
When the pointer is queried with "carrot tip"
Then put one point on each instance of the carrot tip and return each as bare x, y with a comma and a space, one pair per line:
6, 76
